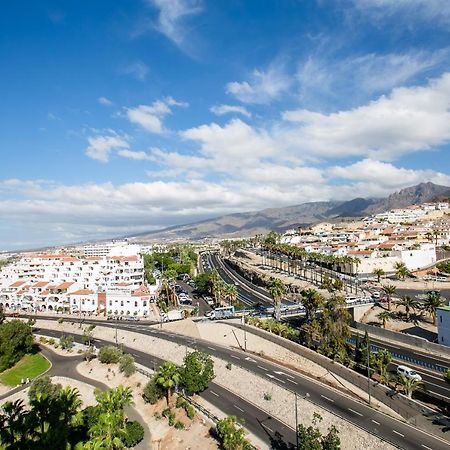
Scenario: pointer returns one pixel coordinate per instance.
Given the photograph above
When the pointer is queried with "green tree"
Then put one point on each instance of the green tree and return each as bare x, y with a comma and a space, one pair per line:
153, 392
312, 301
389, 290
408, 303
127, 365
197, 371
109, 354
66, 342
44, 385
379, 272
16, 339
310, 438
384, 317
432, 302
447, 376
168, 376
231, 293
134, 434
381, 361
232, 437
409, 385
2, 314
277, 290
401, 271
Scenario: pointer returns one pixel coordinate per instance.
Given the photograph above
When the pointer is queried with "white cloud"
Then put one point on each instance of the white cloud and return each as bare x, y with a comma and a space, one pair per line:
386, 175
436, 10
220, 110
105, 101
136, 156
101, 147
264, 86
361, 76
407, 120
137, 70
172, 15
150, 117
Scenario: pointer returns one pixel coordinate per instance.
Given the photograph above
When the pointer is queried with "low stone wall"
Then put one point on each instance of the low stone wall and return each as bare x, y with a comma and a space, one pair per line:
403, 338
408, 409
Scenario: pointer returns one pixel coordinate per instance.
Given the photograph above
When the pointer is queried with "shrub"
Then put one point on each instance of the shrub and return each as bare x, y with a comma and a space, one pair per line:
126, 365
109, 354
44, 385
66, 342
170, 415
152, 392
51, 341
16, 339
229, 366
134, 434
43, 340
197, 371
181, 402
267, 396
179, 425
190, 411
61, 320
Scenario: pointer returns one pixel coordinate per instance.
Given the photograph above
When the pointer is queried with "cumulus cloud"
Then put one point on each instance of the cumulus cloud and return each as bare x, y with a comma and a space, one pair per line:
136, 156
101, 146
150, 117
220, 110
264, 85
407, 120
172, 17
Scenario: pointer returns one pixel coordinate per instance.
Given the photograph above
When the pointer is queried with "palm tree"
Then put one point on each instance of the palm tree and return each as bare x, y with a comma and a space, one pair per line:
168, 376
311, 301
409, 385
231, 293
401, 271
409, 303
107, 433
13, 424
384, 316
389, 290
379, 273
432, 302
277, 290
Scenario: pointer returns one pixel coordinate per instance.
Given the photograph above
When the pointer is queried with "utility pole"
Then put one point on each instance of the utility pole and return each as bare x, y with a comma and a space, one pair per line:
245, 333
296, 423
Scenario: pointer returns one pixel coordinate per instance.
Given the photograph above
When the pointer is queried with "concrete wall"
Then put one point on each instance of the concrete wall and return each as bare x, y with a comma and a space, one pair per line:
443, 324
404, 339
408, 409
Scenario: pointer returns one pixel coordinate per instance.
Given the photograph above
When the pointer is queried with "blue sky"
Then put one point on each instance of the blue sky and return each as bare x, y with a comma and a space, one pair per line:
126, 116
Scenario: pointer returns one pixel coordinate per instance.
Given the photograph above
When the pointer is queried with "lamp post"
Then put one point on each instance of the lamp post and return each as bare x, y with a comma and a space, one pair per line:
368, 369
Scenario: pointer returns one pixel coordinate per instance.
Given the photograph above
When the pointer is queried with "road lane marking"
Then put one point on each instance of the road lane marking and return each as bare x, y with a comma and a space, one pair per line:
275, 378
211, 348
355, 412
375, 422
250, 359
329, 399
263, 368
426, 446
235, 357
400, 434
213, 393
266, 427
237, 407
292, 381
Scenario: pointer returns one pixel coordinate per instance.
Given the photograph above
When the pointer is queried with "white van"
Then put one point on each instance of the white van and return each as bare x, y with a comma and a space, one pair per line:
408, 372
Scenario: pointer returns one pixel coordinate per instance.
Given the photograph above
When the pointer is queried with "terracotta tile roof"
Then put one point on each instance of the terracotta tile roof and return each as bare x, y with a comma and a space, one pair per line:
64, 285
40, 284
17, 284
123, 258
140, 291
122, 283
82, 292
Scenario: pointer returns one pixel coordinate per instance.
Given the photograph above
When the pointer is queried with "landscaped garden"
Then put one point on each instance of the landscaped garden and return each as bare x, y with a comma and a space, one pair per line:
29, 367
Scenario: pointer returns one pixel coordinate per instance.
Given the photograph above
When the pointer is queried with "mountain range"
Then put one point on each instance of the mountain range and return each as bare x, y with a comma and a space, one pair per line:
281, 219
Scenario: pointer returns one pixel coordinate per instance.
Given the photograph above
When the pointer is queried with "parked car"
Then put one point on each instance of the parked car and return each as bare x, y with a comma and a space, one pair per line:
408, 372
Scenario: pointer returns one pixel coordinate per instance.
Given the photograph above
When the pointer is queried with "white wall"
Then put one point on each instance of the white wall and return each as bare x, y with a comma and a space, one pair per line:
443, 324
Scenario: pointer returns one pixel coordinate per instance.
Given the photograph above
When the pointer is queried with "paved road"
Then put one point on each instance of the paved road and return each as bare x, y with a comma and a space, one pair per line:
396, 432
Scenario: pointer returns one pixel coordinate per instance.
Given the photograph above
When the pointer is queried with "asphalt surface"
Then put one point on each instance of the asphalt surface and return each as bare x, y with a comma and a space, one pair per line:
429, 367
398, 433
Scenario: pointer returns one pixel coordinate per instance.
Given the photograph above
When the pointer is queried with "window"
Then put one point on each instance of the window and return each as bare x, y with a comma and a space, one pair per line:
121, 302
440, 319
135, 304
110, 303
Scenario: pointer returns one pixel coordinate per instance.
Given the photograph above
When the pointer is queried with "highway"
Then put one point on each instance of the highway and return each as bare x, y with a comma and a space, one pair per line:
398, 433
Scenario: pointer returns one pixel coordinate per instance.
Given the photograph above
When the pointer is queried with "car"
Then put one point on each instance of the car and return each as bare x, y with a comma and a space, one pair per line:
408, 373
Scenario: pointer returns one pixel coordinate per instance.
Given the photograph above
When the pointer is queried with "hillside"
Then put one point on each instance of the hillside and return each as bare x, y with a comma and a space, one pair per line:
281, 219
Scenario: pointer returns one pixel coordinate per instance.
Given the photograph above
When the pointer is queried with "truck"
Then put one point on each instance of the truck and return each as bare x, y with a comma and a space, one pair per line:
224, 312
170, 316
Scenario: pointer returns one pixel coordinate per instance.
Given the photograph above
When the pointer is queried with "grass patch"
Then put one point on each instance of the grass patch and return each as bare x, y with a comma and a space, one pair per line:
30, 366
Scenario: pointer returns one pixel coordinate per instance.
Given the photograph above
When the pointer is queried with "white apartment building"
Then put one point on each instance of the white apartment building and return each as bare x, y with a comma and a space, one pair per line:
115, 248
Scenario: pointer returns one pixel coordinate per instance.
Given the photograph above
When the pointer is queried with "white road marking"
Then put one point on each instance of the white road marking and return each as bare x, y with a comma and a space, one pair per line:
375, 422
237, 407
426, 446
250, 359
292, 381
213, 393
263, 368
211, 348
355, 412
275, 378
278, 372
400, 434
235, 357
326, 398
267, 428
